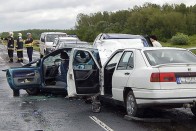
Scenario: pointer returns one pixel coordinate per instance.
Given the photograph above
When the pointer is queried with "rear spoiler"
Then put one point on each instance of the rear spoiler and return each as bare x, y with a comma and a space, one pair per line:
173, 64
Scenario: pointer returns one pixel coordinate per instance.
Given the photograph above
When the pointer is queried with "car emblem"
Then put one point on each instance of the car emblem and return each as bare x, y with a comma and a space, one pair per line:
189, 69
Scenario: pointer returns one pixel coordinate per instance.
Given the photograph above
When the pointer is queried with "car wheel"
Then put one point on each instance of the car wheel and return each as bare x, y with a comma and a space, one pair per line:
193, 109
33, 91
131, 105
16, 93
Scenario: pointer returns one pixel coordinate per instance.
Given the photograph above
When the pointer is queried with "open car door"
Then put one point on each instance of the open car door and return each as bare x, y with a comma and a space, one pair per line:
23, 78
84, 73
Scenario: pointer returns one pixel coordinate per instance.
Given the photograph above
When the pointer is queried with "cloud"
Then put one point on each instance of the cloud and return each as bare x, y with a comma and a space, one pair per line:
59, 14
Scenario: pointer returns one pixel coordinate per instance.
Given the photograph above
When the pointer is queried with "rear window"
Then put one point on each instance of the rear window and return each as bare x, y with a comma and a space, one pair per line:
168, 56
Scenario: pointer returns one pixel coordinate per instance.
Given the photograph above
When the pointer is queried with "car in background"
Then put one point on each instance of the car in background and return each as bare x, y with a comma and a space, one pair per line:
72, 36
138, 78
46, 41
107, 43
58, 40
72, 44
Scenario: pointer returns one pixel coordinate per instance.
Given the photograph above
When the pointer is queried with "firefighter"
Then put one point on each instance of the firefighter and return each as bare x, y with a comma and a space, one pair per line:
19, 48
29, 46
10, 46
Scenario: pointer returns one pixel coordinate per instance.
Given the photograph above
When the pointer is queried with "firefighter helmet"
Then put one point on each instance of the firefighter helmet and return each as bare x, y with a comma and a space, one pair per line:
20, 34
11, 33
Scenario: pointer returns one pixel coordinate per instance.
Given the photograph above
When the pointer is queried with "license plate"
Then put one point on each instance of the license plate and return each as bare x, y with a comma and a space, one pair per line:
186, 80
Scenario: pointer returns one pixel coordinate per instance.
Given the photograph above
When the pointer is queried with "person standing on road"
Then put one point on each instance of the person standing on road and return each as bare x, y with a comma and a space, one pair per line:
19, 48
29, 46
10, 46
154, 41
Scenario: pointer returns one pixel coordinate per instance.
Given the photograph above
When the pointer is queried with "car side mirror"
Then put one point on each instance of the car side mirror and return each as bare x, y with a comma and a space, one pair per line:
42, 40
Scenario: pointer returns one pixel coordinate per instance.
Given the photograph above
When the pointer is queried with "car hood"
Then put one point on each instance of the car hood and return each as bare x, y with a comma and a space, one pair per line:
107, 47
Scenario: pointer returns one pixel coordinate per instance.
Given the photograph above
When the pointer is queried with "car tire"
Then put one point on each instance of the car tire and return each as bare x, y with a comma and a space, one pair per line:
33, 91
16, 93
131, 105
193, 110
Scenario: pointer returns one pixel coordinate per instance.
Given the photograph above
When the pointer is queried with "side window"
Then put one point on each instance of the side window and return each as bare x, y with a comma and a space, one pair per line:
42, 37
83, 61
114, 60
49, 61
126, 61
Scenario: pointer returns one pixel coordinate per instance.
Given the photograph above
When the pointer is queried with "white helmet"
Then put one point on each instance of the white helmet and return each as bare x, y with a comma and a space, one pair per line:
28, 33
11, 33
20, 34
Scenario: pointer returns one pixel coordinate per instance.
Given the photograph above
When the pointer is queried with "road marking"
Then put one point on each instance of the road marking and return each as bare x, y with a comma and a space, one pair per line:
100, 123
1, 58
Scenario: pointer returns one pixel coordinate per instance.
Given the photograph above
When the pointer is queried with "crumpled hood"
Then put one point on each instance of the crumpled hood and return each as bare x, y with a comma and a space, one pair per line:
107, 47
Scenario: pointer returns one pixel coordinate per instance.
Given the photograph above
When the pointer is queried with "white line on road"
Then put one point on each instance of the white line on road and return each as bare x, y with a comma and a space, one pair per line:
1, 58
100, 123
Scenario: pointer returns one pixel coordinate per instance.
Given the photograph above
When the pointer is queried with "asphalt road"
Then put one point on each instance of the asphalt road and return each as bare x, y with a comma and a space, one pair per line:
54, 112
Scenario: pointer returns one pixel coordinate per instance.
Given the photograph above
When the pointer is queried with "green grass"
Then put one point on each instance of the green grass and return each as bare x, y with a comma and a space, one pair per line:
192, 43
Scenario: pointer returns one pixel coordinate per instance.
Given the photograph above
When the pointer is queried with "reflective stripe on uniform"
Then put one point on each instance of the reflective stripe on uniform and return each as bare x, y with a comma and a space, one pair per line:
19, 50
10, 48
29, 45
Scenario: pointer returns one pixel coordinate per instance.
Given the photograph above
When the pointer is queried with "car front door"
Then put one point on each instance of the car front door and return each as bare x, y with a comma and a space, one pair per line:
24, 78
121, 74
83, 74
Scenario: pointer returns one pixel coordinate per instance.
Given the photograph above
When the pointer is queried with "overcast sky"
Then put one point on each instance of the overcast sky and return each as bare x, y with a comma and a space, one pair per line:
18, 15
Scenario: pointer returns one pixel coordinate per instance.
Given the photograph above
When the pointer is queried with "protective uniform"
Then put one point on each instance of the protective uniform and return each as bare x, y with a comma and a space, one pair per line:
19, 48
29, 46
10, 46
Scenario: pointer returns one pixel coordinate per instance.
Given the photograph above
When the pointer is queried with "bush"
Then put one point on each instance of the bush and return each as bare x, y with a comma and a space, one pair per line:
180, 39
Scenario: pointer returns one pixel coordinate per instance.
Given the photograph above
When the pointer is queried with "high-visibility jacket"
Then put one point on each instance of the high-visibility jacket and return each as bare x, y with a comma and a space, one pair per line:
29, 42
10, 43
19, 44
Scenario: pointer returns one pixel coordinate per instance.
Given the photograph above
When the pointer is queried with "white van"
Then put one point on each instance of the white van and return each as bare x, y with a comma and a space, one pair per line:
46, 41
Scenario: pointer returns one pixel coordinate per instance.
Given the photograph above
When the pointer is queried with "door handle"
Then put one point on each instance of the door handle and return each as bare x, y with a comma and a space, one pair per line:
127, 73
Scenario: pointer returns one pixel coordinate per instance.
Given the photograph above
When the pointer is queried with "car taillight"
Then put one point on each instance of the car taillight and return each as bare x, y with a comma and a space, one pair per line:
163, 77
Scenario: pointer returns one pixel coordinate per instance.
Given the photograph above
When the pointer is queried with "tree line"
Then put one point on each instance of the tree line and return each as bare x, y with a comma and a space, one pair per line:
163, 21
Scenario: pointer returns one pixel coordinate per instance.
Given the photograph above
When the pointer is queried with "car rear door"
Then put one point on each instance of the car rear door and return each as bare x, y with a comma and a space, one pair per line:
23, 77
83, 74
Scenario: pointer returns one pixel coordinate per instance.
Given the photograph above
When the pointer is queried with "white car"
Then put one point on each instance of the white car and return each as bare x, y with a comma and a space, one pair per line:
59, 40
107, 43
137, 78
46, 41
72, 44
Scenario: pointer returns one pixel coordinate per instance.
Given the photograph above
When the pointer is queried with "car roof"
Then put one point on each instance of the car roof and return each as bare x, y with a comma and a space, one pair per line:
54, 33
155, 48
65, 38
76, 42
121, 36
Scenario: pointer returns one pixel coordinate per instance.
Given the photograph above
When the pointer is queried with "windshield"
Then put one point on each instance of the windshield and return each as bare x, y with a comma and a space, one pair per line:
51, 37
168, 56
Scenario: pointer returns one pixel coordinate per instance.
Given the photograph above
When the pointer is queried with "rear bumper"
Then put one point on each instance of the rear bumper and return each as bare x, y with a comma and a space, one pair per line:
174, 98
